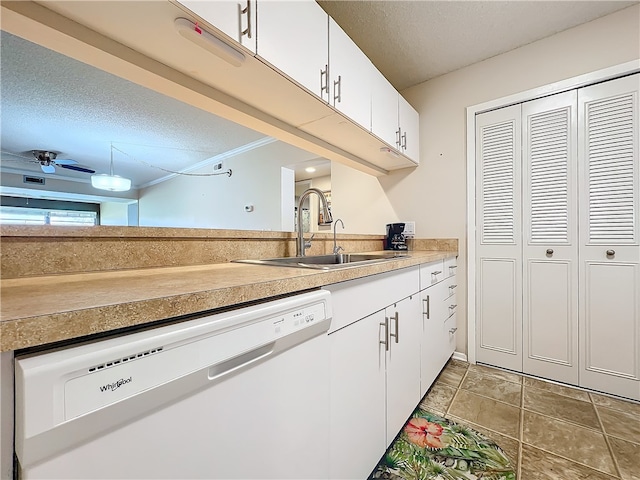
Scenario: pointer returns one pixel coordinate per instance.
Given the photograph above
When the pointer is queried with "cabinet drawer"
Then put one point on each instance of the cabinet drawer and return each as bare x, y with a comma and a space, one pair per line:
431, 273
450, 330
450, 266
356, 299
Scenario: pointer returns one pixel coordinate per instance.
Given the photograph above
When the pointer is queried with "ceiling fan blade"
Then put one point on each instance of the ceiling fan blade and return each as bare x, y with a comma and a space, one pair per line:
65, 161
77, 168
48, 168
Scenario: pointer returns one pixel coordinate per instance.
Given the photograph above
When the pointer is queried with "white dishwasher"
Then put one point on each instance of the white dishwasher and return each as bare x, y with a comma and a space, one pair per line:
238, 394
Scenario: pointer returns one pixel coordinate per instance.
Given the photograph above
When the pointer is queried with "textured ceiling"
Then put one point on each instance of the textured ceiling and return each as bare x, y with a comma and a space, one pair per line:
413, 41
52, 102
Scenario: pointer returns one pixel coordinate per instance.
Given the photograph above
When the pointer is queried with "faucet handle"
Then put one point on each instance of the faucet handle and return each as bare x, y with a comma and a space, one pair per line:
337, 249
307, 243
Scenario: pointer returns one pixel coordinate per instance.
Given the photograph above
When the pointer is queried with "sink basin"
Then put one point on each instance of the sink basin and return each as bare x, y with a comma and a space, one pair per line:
328, 262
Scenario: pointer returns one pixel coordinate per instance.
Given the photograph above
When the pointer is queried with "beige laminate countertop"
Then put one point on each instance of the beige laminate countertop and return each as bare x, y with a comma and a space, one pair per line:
40, 310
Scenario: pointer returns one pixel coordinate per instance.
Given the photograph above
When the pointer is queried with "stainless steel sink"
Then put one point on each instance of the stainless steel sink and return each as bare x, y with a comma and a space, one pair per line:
328, 262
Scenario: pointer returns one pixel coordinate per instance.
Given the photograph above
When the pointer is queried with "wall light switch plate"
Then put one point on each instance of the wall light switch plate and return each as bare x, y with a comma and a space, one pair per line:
409, 229
217, 166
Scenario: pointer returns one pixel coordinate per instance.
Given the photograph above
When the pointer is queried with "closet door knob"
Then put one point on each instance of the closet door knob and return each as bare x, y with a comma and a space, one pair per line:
549, 251
611, 253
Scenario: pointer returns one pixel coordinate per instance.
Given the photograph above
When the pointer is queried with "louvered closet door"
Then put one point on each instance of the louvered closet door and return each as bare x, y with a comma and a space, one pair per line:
550, 246
498, 238
609, 237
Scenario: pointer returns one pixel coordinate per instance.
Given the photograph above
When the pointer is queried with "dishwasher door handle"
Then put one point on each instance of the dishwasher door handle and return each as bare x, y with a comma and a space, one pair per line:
220, 369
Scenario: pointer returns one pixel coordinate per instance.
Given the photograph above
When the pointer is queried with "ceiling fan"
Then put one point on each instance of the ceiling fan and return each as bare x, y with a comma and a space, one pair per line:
49, 161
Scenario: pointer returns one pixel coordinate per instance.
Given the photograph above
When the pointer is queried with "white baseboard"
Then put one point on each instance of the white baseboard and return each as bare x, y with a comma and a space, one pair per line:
460, 356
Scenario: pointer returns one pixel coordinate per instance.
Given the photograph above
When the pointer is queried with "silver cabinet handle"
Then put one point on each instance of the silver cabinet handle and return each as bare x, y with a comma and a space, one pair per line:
453, 330
404, 141
428, 303
437, 272
549, 251
324, 86
452, 307
385, 342
337, 83
398, 137
396, 317
452, 286
241, 11
611, 253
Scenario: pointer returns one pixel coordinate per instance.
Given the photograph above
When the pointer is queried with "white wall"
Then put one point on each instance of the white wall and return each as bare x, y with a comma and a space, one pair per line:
112, 213
219, 201
434, 194
360, 201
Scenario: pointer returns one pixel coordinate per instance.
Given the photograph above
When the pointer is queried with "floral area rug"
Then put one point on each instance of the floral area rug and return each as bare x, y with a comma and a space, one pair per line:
430, 447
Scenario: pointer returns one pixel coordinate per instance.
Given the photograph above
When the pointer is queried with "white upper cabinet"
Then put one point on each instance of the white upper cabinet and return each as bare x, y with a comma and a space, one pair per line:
294, 38
408, 124
237, 19
350, 72
393, 120
384, 110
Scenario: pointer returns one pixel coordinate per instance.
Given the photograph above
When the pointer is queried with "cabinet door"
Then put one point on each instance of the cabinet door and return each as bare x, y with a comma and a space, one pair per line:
609, 173
294, 38
357, 413
237, 19
498, 239
409, 121
351, 74
403, 362
431, 347
384, 111
550, 244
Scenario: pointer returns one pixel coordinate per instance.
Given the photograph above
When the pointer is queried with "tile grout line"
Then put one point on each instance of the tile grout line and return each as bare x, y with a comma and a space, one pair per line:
521, 428
606, 438
447, 411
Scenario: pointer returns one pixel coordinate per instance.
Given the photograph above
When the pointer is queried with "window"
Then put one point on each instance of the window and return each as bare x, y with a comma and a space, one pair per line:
25, 211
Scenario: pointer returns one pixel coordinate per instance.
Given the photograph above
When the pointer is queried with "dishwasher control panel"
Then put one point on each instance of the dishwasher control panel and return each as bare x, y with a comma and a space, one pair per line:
298, 319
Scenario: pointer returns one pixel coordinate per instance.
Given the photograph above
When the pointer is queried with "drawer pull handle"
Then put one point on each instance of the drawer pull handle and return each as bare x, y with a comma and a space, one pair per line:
452, 286
338, 84
241, 11
324, 86
437, 272
452, 306
396, 335
453, 330
385, 342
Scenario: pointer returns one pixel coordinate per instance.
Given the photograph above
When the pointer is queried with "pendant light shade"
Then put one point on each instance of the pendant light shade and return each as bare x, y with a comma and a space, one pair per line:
111, 182
114, 183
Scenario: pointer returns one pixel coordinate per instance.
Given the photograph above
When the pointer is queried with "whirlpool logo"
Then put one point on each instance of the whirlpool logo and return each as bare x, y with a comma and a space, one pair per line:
115, 385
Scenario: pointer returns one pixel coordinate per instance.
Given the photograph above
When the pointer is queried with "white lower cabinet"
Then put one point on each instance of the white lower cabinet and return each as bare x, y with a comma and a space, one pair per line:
357, 408
384, 356
439, 327
402, 358
375, 367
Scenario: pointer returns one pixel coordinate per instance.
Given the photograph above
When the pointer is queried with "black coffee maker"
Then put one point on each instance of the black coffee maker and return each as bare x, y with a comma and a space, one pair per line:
395, 239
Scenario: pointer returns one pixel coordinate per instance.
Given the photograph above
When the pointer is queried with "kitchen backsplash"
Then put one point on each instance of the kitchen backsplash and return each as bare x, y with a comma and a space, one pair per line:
46, 250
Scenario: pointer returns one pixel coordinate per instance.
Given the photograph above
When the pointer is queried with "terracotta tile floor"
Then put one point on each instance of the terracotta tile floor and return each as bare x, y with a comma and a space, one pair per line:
551, 432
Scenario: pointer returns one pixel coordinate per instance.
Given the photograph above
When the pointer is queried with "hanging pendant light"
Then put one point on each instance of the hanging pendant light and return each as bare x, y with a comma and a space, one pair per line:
111, 182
